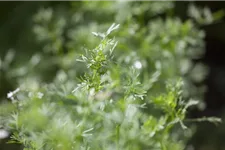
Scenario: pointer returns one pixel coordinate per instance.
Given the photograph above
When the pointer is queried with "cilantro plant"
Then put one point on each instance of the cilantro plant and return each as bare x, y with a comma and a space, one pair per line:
121, 89
108, 109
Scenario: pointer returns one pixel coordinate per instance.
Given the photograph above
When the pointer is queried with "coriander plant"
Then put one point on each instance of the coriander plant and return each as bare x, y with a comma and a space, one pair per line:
124, 89
109, 109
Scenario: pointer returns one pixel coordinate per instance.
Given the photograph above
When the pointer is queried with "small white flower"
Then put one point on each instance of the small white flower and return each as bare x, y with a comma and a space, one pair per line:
137, 64
3, 134
10, 94
40, 95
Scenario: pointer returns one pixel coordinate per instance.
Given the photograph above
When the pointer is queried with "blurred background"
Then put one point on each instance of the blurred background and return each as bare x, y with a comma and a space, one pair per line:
24, 37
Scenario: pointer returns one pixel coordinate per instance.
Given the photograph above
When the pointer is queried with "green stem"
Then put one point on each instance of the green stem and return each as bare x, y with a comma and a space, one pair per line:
117, 136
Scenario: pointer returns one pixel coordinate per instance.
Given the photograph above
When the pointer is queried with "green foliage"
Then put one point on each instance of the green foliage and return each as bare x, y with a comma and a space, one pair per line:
204, 16
100, 113
120, 90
